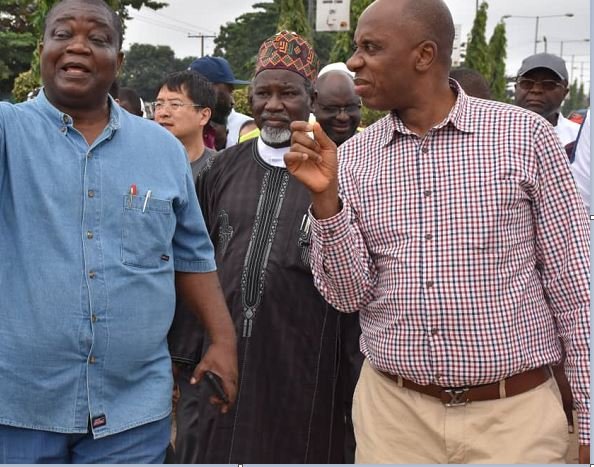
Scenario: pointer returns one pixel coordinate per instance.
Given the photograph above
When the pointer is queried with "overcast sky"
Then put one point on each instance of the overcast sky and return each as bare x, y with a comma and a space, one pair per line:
172, 25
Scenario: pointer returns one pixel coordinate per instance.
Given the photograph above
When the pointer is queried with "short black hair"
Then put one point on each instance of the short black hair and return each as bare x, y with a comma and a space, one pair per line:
472, 81
114, 90
131, 96
115, 19
192, 83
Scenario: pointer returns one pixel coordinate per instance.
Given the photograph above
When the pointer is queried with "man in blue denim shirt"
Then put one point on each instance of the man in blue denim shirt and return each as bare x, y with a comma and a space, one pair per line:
99, 222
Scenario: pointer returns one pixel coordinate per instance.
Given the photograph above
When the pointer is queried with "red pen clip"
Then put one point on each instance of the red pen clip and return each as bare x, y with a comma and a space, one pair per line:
132, 193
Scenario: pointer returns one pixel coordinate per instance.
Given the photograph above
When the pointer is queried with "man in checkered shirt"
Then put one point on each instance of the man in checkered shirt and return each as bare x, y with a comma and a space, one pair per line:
454, 225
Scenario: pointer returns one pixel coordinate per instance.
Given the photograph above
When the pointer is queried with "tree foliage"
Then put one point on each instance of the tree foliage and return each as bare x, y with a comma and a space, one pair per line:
239, 41
343, 45
576, 99
488, 59
477, 52
146, 65
17, 42
23, 84
292, 17
497, 56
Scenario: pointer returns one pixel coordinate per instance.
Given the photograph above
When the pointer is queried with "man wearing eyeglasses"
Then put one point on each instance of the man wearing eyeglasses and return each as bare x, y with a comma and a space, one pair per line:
336, 106
184, 105
541, 86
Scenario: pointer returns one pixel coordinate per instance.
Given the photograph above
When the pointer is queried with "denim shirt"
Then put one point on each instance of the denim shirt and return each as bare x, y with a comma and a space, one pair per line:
87, 264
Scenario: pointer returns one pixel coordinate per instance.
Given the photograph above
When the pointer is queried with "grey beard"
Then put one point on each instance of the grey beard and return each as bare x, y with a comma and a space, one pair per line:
275, 136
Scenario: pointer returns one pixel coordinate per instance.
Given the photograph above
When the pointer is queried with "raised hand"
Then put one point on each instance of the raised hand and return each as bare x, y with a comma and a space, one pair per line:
313, 161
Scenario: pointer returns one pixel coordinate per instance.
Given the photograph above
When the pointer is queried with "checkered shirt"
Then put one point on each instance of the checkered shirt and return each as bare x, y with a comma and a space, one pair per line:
466, 250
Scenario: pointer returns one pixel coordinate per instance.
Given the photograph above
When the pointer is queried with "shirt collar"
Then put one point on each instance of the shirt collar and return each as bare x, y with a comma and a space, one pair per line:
459, 116
63, 120
272, 156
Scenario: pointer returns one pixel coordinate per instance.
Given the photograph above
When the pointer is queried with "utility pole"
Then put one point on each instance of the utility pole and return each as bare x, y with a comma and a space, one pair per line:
201, 37
310, 14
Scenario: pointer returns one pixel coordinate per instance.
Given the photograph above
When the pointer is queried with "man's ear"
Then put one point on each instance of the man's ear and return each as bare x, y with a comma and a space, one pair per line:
565, 83
120, 62
312, 98
205, 113
250, 95
426, 55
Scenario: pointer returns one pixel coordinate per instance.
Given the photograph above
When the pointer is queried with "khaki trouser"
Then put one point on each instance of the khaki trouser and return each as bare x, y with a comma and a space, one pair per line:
394, 425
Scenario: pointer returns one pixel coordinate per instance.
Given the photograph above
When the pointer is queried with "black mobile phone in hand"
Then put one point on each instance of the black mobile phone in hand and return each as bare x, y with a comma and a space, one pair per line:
215, 384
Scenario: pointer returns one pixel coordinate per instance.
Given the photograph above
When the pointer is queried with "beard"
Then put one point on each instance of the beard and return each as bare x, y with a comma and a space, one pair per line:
275, 136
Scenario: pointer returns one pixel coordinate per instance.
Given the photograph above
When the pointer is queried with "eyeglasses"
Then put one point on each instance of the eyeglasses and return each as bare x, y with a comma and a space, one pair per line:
174, 106
337, 109
527, 84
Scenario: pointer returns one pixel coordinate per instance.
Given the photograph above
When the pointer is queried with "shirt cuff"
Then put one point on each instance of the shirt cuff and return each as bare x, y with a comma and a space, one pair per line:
333, 229
203, 265
584, 426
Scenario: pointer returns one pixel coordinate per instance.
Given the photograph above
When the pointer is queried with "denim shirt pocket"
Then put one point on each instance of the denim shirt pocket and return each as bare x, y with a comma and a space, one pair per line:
147, 231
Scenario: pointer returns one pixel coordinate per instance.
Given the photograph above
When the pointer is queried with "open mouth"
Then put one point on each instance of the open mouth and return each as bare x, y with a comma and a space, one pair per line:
75, 69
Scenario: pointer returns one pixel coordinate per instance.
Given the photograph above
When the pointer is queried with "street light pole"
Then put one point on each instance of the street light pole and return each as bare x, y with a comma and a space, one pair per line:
536, 33
576, 40
569, 15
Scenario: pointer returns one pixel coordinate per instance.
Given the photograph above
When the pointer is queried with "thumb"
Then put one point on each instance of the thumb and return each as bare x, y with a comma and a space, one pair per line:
322, 138
197, 374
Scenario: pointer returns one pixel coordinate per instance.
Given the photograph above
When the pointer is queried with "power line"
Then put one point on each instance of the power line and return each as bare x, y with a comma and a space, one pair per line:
183, 22
201, 37
168, 24
170, 27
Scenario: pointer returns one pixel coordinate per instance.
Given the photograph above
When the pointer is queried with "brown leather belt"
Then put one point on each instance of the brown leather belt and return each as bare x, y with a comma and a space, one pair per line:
509, 387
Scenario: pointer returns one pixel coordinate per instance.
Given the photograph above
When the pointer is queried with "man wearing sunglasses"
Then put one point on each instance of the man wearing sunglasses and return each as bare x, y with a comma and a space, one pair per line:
541, 86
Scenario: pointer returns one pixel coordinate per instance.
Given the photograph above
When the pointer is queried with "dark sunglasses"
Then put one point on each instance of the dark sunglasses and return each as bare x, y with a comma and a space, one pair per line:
527, 84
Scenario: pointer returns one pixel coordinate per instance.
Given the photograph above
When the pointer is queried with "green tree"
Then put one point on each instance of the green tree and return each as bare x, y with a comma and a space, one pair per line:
497, 55
146, 65
581, 97
571, 101
17, 43
343, 44
292, 17
239, 41
477, 52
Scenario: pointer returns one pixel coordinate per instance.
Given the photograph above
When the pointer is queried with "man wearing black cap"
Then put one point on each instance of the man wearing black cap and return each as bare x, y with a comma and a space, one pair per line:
541, 86
218, 71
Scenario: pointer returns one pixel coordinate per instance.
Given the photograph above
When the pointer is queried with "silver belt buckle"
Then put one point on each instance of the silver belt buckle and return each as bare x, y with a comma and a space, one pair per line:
457, 398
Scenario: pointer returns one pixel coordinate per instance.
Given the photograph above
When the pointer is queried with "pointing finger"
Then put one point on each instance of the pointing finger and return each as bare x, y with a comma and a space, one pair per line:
322, 138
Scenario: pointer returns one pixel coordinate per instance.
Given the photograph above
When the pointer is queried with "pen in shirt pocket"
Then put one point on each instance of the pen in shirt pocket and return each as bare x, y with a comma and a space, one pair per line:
146, 200
132, 193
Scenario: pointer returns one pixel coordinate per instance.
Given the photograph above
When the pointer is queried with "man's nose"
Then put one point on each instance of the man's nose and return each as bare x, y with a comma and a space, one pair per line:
355, 62
274, 102
342, 114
